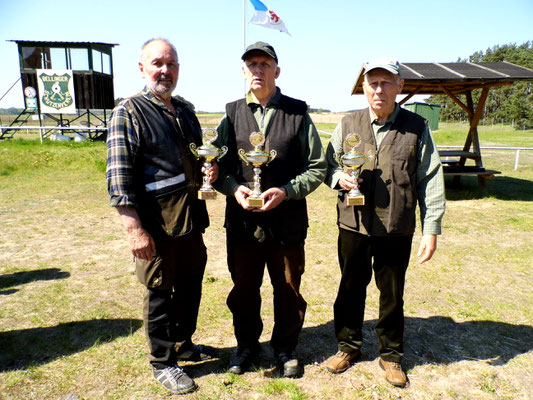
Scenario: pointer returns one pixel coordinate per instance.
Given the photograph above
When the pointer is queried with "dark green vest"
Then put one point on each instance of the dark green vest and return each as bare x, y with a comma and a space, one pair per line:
389, 176
288, 222
167, 209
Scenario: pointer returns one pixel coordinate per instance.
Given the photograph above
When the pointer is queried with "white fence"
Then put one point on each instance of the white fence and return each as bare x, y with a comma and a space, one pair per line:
44, 131
516, 149
90, 130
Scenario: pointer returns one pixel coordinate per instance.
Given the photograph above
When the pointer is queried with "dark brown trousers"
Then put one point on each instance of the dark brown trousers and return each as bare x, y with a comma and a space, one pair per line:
285, 265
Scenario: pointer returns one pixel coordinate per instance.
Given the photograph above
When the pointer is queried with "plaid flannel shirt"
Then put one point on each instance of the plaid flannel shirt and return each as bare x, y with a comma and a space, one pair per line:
122, 149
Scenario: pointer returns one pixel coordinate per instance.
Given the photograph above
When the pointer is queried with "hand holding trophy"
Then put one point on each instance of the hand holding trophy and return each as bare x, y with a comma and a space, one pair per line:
257, 157
353, 160
208, 152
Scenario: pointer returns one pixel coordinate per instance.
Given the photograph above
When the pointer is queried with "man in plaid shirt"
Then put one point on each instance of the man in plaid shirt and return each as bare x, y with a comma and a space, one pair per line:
152, 179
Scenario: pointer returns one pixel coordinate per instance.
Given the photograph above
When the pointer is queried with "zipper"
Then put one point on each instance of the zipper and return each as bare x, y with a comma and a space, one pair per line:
372, 191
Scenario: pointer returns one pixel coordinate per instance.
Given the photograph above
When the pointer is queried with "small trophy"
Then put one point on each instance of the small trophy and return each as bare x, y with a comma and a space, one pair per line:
353, 160
208, 152
257, 157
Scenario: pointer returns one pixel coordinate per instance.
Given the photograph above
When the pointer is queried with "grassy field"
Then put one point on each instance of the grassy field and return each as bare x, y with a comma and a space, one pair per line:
70, 304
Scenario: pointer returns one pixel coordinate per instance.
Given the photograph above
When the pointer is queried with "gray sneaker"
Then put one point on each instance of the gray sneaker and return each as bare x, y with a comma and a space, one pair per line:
174, 379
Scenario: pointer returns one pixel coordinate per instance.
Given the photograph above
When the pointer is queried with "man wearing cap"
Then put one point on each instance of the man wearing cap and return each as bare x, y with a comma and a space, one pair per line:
274, 233
402, 167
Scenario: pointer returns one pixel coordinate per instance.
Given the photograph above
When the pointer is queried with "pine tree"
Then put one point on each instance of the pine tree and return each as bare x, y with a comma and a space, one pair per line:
508, 104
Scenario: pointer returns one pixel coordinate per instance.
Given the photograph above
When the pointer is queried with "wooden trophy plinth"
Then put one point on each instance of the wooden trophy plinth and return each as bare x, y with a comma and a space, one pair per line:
255, 201
207, 194
356, 200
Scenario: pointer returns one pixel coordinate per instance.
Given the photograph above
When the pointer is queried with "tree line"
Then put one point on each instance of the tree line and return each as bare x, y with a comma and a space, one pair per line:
512, 104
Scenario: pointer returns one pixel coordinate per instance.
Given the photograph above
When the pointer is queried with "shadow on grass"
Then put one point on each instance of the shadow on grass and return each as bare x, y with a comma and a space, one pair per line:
441, 340
29, 347
20, 278
501, 187
433, 340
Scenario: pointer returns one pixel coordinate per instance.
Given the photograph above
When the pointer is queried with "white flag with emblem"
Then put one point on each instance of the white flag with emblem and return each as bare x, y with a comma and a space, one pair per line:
264, 16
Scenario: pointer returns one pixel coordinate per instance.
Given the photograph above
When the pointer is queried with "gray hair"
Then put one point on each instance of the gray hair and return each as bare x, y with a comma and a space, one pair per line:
156, 40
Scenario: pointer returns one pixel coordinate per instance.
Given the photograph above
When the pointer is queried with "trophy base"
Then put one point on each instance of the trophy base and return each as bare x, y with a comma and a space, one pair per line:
356, 201
255, 202
207, 194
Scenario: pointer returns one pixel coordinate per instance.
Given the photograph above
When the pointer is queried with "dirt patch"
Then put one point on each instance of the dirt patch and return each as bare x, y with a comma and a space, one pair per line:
70, 315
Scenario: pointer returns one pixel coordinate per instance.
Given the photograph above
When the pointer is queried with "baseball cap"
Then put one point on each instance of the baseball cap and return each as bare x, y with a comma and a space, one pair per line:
260, 46
388, 64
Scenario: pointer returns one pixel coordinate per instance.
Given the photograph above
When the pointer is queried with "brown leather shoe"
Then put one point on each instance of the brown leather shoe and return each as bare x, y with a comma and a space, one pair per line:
341, 361
393, 373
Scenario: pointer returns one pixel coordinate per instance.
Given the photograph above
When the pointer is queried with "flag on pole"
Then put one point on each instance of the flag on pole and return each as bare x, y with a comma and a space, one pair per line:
264, 16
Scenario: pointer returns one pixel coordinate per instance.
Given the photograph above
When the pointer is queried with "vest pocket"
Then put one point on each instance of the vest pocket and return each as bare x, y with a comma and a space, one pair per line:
347, 215
172, 214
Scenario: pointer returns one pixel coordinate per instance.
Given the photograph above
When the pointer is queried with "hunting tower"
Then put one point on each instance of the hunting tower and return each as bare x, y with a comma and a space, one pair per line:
91, 66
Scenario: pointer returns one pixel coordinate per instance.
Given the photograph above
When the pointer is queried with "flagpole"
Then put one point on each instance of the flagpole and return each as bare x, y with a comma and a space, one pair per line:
244, 37
243, 25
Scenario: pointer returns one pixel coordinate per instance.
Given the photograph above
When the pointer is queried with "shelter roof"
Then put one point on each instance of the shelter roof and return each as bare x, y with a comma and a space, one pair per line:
458, 77
59, 43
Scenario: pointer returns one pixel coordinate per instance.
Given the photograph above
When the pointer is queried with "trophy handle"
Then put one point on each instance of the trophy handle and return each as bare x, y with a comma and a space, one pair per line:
242, 155
223, 151
273, 154
192, 147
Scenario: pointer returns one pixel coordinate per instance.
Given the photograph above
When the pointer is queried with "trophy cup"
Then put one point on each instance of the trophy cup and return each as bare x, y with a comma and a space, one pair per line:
257, 157
208, 152
353, 160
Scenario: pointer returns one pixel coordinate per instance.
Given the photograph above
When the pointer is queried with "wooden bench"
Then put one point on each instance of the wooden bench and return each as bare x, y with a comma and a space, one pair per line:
459, 153
461, 170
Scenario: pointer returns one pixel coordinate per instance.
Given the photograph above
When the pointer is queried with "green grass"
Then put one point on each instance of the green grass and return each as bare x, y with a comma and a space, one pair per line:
328, 127
454, 134
70, 314
281, 387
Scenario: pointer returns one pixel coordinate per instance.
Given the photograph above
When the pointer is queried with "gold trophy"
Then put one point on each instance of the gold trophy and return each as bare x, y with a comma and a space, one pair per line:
208, 152
353, 160
257, 157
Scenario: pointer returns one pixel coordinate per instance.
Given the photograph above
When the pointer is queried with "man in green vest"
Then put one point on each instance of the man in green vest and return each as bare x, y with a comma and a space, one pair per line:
402, 168
271, 229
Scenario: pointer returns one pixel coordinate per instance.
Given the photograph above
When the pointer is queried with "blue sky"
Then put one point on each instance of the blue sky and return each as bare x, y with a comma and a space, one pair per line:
319, 63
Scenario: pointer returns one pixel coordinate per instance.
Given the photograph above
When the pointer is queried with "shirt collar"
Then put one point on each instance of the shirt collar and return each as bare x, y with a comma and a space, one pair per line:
374, 118
252, 100
152, 97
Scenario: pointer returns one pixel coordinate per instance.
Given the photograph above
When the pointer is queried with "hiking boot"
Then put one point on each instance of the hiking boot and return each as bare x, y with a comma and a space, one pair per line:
174, 379
393, 373
341, 361
288, 363
242, 359
196, 352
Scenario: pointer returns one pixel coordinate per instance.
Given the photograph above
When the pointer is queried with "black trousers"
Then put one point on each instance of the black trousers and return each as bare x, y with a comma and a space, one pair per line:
172, 297
388, 257
285, 264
